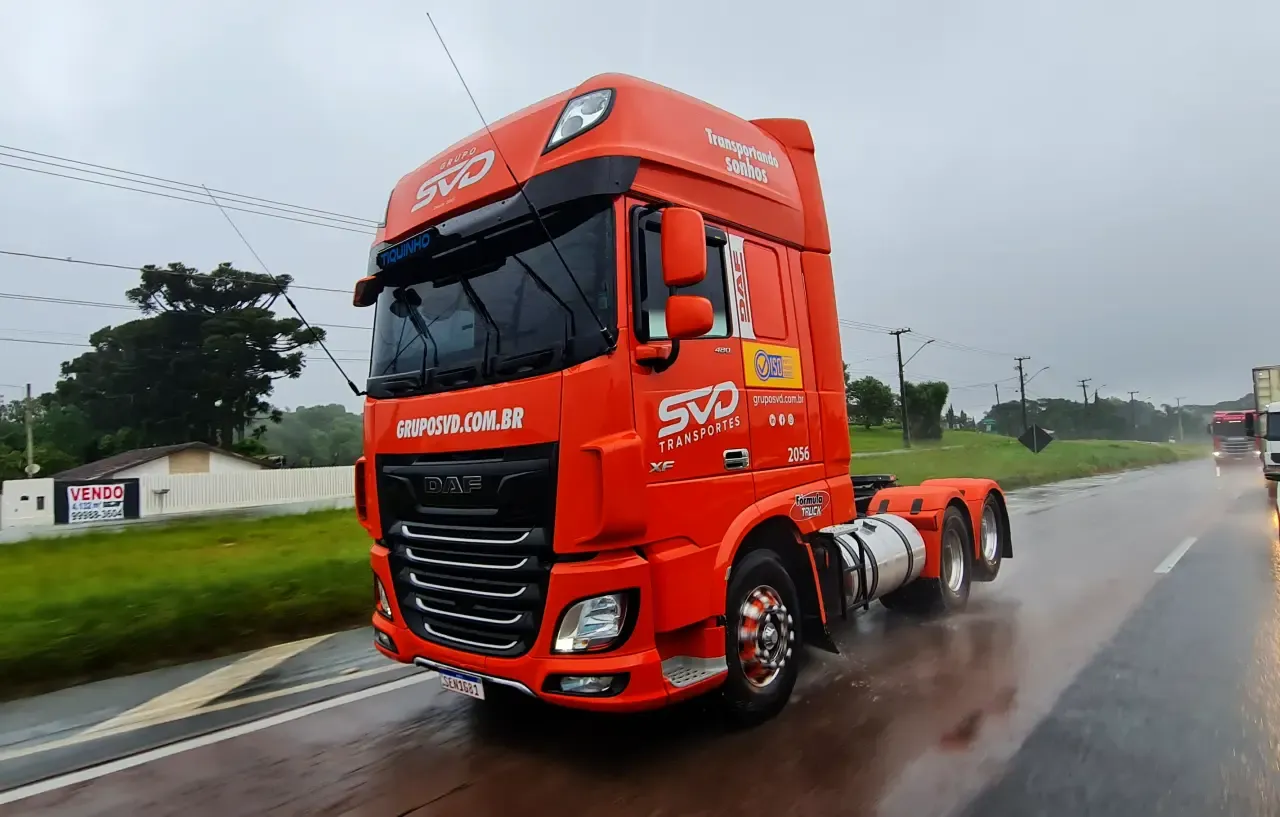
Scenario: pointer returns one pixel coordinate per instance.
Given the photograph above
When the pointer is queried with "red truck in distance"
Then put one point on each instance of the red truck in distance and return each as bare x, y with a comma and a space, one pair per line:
1234, 440
606, 450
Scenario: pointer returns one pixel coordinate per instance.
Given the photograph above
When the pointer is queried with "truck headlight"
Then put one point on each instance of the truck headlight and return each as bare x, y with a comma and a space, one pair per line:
1217, 453
592, 624
581, 114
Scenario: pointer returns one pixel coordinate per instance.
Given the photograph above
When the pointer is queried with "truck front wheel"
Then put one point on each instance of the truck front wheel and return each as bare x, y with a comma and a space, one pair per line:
762, 642
949, 592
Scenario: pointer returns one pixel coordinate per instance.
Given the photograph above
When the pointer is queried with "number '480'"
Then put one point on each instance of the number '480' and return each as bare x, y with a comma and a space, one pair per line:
798, 454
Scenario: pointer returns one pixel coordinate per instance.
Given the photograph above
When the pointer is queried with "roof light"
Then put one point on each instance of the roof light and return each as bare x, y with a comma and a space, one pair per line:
581, 114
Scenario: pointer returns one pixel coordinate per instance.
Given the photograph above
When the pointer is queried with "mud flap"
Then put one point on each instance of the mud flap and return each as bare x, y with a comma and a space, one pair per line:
827, 561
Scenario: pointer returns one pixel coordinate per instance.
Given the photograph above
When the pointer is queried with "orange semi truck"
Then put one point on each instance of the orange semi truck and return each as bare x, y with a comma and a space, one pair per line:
606, 450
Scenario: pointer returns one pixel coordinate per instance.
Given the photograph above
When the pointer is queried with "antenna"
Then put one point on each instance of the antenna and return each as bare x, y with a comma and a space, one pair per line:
315, 336
604, 330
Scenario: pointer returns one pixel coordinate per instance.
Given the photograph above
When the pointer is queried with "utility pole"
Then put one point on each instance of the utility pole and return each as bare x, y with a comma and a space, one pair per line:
1022, 388
1084, 389
902, 387
1133, 413
31, 448
1179, 410
997, 385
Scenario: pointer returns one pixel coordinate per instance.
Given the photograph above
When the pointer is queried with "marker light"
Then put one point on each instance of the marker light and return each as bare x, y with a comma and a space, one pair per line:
592, 624
581, 114
381, 602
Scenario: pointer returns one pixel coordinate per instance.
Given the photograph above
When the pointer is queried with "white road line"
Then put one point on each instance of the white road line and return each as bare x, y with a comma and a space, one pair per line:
142, 758
88, 736
193, 695
1178, 553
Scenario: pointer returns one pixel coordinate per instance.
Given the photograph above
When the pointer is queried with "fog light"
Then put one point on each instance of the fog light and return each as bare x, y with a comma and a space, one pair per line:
384, 641
597, 686
592, 624
381, 603
586, 684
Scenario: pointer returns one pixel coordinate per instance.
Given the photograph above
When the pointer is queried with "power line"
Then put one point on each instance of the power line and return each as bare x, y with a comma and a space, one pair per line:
182, 198
194, 188
315, 336
23, 331
13, 296
91, 346
69, 260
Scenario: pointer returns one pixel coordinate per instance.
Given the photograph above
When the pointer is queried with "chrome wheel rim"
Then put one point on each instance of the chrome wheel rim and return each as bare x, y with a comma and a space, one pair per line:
765, 636
990, 534
953, 560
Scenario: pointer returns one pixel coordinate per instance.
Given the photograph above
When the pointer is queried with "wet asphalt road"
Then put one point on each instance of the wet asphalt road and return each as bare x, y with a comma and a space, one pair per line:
1081, 682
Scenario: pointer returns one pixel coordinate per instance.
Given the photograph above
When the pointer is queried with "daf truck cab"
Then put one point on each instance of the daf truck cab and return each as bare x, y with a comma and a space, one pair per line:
606, 450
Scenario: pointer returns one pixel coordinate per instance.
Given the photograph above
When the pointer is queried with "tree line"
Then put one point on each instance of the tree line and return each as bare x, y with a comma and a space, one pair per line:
197, 365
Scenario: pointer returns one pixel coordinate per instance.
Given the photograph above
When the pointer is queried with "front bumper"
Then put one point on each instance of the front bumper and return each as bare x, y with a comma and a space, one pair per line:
654, 675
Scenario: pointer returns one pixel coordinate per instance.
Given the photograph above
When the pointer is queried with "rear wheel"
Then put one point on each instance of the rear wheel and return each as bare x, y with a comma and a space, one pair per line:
990, 542
949, 592
762, 641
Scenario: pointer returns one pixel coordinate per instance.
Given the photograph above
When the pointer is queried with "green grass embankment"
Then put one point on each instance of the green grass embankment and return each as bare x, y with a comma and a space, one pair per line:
969, 454
75, 608
99, 604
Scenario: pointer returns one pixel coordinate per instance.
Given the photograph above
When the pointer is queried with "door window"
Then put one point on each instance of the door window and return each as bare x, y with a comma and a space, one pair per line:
652, 292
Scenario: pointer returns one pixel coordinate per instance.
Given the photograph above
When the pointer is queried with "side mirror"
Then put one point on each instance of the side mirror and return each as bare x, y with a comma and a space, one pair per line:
684, 248
367, 291
688, 316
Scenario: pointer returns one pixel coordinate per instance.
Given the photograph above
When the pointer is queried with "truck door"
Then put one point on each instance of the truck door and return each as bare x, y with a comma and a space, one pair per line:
771, 336
692, 413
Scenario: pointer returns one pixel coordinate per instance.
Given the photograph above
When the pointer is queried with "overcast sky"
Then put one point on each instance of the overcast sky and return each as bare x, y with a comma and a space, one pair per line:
1093, 184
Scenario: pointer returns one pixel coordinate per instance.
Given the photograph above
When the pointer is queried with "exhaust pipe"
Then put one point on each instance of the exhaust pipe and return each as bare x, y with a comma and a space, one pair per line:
880, 554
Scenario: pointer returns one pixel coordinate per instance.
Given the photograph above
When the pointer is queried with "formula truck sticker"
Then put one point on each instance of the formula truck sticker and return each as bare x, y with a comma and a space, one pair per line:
470, 423
710, 408
810, 505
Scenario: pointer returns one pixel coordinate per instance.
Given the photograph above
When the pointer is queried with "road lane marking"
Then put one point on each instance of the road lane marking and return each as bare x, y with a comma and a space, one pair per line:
87, 736
152, 755
193, 695
1178, 553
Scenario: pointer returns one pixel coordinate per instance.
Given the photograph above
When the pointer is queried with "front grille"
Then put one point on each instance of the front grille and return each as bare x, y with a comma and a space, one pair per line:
1237, 445
470, 538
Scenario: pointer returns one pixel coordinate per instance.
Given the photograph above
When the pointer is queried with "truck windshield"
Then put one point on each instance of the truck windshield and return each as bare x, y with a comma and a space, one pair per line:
499, 306
1271, 426
1228, 428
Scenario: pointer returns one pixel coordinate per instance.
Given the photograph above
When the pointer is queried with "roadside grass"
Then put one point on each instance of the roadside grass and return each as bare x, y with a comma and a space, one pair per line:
882, 438
1008, 462
77, 608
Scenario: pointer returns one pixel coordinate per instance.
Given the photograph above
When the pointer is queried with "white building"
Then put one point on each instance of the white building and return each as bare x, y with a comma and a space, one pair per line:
164, 460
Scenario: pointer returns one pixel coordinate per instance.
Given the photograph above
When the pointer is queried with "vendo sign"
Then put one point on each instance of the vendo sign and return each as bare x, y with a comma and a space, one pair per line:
98, 501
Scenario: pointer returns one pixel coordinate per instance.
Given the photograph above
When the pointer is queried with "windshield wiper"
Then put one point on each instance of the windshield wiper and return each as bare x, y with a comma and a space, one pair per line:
405, 306
571, 325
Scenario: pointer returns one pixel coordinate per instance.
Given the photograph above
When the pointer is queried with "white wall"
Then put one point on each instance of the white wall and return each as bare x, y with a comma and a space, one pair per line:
194, 493
154, 468
21, 505
160, 496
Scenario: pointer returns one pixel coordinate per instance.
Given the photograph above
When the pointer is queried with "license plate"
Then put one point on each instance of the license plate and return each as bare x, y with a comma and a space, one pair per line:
463, 683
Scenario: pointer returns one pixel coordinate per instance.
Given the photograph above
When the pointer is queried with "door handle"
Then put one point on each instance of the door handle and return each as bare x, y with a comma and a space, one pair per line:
737, 459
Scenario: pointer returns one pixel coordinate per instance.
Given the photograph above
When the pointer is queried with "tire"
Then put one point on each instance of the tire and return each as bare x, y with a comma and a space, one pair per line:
949, 593
990, 549
762, 670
